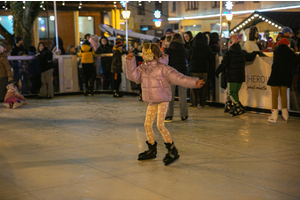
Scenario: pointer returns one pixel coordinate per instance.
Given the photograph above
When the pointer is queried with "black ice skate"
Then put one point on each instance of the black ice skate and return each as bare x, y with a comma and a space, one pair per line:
172, 154
237, 110
227, 107
150, 153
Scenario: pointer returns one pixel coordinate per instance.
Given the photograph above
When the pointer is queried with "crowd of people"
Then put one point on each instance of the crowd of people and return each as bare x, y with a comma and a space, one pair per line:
190, 55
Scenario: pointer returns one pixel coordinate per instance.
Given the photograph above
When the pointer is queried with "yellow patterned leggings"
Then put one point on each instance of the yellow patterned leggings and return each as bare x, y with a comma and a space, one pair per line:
160, 109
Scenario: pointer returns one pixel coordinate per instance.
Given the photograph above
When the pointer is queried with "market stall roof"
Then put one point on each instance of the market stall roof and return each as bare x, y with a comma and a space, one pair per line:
276, 20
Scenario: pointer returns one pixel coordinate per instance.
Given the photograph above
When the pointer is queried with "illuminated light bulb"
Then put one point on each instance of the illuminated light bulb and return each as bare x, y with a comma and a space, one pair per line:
40, 19
260, 17
266, 20
41, 6
252, 17
276, 25
249, 20
10, 17
269, 22
44, 8
263, 18
89, 18
63, 3
79, 7
52, 18
238, 28
244, 24
273, 24
232, 32
279, 27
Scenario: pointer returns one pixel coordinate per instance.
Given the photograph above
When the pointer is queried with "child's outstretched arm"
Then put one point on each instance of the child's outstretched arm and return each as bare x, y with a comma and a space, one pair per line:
177, 78
132, 72
20, 96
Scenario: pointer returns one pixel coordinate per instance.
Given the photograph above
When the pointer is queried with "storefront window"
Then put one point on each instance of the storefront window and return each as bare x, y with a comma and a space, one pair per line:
86, 25
194, 29
44, 30
7, 23
216, 28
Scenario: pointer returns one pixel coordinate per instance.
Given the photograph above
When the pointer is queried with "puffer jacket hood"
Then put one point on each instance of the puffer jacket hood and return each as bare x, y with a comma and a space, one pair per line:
214, 38
236, 48
104, 38
86, 42
156, 79
85, 47
200, 41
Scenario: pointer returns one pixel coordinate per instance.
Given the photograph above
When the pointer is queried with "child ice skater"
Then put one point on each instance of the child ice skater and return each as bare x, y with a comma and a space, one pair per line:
12, 97
156, 78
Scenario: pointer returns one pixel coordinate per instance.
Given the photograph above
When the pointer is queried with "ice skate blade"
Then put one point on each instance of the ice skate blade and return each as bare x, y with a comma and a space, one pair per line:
172, 161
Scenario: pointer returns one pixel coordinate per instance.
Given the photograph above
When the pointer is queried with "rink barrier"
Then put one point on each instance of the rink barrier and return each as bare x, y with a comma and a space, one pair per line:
68, 81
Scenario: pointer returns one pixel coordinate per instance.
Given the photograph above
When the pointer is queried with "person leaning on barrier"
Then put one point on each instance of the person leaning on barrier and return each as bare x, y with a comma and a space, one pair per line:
233, 64
104, 47
46, 67
5, 73
87, 53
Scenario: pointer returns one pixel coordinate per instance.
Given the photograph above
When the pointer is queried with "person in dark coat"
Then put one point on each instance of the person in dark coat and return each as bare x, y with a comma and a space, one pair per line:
215, 47
177, 54
116, 68
46, 68
199, 58
105, 62
17, 50
34, 72
188, 38
233, 64
281, 77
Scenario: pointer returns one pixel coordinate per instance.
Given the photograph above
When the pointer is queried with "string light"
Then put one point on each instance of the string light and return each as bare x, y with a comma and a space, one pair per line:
80, 4
63, 3
24, 5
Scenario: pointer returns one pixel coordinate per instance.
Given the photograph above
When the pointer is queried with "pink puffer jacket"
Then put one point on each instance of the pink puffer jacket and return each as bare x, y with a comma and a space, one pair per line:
155, 78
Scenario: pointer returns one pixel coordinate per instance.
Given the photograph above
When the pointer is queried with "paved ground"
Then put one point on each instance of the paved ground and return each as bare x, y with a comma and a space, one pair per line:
78, 147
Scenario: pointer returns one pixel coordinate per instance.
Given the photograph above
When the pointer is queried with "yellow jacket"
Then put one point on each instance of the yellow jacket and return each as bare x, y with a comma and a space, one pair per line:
87, 54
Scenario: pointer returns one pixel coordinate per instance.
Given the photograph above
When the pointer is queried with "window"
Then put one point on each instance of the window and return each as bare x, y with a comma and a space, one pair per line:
216, 4
173, 5
7, 23
158, 6
141, 8
194, 29
44, 30
191, 5
86, 25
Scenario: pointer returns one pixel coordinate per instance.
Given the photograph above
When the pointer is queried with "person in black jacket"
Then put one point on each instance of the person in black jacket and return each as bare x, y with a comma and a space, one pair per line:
199, 58
46, 68
17, 50
105, 62
281, 77
233, 64
177, 54
116, 68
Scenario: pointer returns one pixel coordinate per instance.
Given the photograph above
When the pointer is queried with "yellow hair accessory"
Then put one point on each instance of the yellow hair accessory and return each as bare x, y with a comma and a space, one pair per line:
149, 56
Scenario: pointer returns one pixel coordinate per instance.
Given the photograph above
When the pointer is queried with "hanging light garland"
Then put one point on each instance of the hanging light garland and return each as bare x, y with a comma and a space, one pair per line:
80, 4
24, 5
245, 22
63, 3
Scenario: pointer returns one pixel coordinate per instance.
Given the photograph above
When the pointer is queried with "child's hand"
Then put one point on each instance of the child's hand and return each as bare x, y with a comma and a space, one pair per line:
200, 83
130, 56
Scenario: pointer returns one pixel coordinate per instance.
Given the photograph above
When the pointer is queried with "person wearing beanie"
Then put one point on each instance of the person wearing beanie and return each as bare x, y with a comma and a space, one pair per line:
87, 59
116, 68
5, 73
281, 77
287, 33
169, 33
233, 64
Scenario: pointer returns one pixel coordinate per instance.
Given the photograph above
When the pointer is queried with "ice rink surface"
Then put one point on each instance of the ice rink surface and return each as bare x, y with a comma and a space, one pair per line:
76, 147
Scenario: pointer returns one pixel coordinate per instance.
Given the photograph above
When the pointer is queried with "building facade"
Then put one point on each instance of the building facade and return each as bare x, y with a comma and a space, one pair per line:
204, 16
